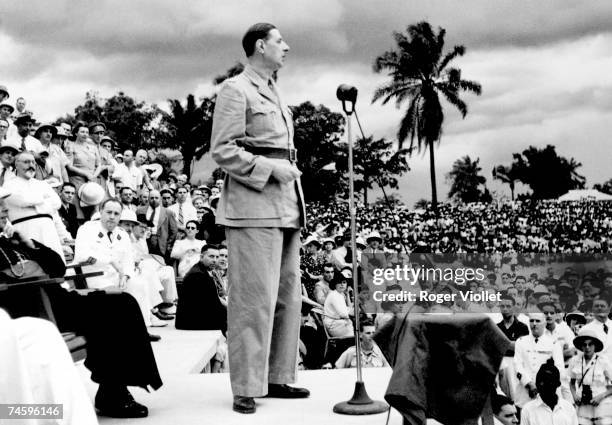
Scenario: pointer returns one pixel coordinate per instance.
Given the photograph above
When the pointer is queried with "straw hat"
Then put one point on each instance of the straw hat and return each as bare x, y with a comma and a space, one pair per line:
588, 334
5, 104
312, 240
575, 315
374, 236
91, 194
128, 215
328, 240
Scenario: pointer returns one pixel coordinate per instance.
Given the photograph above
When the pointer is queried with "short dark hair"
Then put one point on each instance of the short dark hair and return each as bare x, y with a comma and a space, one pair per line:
123, 189
208, 248
259, 31
328, 265
68, 184
508, 298
498, 401
194, 222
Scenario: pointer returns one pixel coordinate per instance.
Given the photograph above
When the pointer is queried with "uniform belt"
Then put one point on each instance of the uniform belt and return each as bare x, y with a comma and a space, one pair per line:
32, 217
278, 153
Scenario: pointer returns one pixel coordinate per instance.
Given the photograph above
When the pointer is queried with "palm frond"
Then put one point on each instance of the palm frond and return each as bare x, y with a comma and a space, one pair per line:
454, 100
457, 51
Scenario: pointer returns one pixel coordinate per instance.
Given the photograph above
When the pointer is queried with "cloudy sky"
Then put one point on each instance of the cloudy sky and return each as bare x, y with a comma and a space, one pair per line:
545, 66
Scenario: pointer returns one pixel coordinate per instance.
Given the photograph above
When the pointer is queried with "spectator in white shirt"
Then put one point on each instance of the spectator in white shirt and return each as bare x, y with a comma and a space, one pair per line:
548, 407
530, 352
129, 173
337, 310
371, 355
187, 251
602, 325
183, 210
25, 142
591, 380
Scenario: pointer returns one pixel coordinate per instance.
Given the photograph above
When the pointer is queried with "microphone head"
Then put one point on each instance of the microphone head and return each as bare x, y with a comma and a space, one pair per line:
346, 93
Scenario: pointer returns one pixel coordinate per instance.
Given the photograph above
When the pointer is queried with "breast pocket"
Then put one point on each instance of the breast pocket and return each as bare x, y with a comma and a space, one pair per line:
262, 119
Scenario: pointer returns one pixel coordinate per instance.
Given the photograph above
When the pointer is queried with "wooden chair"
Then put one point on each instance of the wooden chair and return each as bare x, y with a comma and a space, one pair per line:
34, 289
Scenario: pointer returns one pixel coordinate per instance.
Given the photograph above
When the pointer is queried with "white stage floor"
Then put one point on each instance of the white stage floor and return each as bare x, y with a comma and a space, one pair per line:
189, 398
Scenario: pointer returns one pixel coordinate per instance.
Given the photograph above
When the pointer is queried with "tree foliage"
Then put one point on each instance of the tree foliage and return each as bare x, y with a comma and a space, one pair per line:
605, 187
546, 173
375, 161
419, 74
467, 185
190, 127
317, 136
130, 123
507, 174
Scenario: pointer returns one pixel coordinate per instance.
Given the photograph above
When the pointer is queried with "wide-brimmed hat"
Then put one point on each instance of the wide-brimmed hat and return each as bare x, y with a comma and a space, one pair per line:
24, 118
5, 90
154, 170
546, 303
8, 146
46, 127
540, 290
5, 104
312, 240
360, 242
575, 315
588, 334
128, 215
374, 236
205, 189
91, 194
328, 240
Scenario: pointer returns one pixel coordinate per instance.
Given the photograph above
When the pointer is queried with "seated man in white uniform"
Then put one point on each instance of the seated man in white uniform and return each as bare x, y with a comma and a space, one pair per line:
107, 248
149, 286
153, 267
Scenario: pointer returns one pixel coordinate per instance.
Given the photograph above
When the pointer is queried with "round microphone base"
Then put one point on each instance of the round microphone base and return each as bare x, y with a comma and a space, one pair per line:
361, 403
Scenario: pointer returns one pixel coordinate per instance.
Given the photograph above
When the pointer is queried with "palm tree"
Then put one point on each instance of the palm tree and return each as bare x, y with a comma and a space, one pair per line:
507, 174
192, 127
466, 180
419, 73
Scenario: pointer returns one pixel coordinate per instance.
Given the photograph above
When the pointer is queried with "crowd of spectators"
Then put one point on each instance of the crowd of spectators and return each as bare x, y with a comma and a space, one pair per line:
67, 188
520, 226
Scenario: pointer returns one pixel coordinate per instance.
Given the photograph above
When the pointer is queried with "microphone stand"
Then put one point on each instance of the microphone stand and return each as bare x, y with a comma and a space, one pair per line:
360, 403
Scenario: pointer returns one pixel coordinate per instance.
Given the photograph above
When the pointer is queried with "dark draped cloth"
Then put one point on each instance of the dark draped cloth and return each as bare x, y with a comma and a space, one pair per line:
118, 348
199, 307
444, 367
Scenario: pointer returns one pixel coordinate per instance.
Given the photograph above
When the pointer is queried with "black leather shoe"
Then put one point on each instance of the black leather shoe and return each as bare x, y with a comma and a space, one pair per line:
154, 338
243, 404
163, 316
119, 405
285, 391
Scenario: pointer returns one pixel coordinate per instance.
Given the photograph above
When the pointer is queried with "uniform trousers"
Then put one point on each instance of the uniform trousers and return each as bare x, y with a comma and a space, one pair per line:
264, 308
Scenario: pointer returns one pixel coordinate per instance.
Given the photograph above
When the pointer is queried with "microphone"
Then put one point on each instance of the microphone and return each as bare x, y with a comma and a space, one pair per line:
346, 93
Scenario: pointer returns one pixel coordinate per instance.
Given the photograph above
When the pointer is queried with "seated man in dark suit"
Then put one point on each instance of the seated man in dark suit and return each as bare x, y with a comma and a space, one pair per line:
199, 307
68, 211
119, 352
